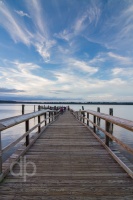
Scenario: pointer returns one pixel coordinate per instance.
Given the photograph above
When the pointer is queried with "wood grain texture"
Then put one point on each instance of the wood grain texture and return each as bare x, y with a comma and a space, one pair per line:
71, 164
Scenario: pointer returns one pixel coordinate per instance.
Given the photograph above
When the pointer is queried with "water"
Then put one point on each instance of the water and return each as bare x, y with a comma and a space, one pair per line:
11, 134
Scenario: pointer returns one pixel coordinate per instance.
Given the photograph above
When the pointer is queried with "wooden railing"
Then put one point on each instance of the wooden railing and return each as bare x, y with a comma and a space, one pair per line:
49, 117
84, 117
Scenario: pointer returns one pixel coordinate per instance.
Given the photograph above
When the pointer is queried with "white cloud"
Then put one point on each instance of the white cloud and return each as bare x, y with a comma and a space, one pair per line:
99, 58
20, 33
22, 13
79, 24
35, 11
105, 58
126, 72
82, 66
42, 41
23, 75
65, 35
29, 78
123, 59
90, 16
117, 71
44, 49
14, 27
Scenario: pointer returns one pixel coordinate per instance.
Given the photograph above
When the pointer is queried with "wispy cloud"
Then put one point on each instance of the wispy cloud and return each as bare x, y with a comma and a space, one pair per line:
35, 11
60, 91
14, 27
7, 90
123, 59
82, 66
42, 40
83, 21
17, 29
66, 81
90, 16
125, 72
43, 48
65, 35
22, 75
80, 23
22, 13
107, 58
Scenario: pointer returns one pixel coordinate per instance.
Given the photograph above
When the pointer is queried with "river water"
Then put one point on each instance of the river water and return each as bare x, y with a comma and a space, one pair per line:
11, 134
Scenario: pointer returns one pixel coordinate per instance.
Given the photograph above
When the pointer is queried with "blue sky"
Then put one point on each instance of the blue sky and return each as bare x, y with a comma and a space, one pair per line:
66, 50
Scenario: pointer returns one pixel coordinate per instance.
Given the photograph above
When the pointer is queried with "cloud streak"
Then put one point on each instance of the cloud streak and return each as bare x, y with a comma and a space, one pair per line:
22, 13
17, 29
7, 90
13, 26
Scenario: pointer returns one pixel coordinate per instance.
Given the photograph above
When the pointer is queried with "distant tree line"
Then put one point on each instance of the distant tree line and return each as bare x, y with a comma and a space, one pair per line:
69, 102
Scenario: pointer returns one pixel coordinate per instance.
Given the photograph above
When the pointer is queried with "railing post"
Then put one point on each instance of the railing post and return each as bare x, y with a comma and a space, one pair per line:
107, 126
39, 107
111, 124
0, 154
94, 121
87, 118
49, 117
83, 117
23, 109
111, 111
82, 114
98, 119
34, 108
45, 115
27, 129
39, 127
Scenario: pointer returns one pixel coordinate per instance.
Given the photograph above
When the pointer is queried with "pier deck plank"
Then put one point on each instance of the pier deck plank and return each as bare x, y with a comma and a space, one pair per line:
70, 164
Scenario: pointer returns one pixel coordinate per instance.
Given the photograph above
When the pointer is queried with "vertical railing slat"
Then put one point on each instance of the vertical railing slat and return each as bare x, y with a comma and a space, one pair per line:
94, 121
98, 118
45, 115
49, 117
107, 125
39, 127
23, 109
27, 129
87, 118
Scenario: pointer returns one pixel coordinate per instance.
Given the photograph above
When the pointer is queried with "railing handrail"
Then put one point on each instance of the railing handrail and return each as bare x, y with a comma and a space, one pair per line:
6, 148
12, 121
109, 121
124, 123
112, 120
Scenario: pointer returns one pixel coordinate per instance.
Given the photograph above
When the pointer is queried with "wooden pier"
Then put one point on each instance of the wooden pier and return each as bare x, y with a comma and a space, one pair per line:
71, 164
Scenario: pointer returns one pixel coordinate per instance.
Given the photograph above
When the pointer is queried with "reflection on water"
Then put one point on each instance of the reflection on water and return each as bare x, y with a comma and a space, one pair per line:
11, 134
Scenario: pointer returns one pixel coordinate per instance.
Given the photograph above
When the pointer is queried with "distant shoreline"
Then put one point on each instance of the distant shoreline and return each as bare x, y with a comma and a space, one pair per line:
61, 102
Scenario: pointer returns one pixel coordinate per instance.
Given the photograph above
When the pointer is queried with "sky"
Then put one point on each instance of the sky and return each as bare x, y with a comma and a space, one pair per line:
74, 50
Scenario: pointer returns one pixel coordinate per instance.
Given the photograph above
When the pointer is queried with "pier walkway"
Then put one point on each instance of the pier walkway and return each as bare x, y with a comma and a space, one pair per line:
70, 164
